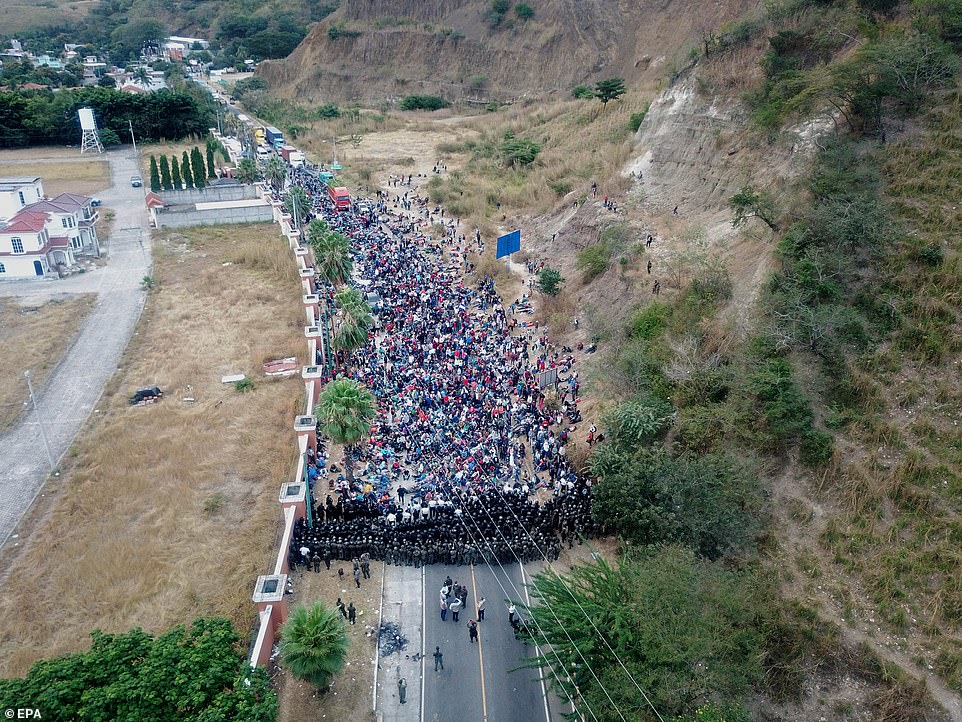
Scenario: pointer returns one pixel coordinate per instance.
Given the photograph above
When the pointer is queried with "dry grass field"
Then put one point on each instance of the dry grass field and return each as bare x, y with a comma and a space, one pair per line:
60, 175
169, 511
34, 337
349, 697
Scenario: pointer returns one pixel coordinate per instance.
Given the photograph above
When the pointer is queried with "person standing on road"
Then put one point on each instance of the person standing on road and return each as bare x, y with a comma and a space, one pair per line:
444, 609
402, 689
511, 612
456, 605
357, 576
438, 659
481, 603
473, 631
351, 613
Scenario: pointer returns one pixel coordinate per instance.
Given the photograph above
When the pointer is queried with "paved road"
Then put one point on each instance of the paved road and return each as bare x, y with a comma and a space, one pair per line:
506, 694
77, 383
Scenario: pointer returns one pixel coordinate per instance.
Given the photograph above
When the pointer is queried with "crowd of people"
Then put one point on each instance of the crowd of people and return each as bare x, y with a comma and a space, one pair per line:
467, 461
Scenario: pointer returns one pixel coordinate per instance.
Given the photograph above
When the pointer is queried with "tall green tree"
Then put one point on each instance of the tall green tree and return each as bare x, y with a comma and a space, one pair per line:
185, 170
314, 643
685, 629
165, 178
154, 175
346, 409
550, 281
175, 174
198, 168
752, 203
200, 673
610, 89
211, 168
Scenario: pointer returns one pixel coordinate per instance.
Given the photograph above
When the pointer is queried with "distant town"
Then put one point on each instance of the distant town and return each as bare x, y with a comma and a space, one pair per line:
78, 65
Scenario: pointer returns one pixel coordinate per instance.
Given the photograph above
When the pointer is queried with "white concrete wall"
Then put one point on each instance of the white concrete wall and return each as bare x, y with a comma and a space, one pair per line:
21, 266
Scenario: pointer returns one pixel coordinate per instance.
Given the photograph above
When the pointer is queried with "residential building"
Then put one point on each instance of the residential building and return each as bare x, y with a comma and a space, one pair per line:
18, 192
47, 235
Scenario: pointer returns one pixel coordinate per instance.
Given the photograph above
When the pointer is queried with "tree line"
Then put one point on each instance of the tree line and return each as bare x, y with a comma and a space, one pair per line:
40, 117
191, 171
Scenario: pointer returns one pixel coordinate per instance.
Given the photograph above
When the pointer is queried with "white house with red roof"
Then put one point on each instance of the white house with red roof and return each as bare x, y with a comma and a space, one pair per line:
43, 235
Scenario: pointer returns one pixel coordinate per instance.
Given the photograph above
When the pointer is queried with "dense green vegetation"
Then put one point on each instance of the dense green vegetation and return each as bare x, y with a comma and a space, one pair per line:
35, 117
314, 643
200, 673
423, 102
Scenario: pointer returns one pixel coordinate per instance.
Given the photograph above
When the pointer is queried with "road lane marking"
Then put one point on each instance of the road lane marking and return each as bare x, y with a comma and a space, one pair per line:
537, 650
424, 650
484, 694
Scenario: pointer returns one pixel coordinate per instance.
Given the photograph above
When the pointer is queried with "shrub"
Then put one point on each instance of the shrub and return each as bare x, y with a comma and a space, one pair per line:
244, 385
636, 119
785, 409
638, 422
583, 92
594, 260
328, 110
423, 102
649, 322
519, 151
524, 11
561, 187
817, 447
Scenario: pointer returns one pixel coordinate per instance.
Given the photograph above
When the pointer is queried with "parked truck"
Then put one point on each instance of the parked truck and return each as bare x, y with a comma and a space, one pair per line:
340, 197
292, 155
274, 137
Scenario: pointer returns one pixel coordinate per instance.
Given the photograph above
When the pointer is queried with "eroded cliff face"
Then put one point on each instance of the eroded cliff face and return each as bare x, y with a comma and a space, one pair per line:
441, 46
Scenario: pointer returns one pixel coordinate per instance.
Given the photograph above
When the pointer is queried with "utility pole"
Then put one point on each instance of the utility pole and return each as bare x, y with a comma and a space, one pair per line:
133, 140
43, 431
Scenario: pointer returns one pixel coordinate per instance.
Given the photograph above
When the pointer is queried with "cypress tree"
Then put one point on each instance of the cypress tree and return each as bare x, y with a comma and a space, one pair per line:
211, 170
175, 173
185, 170
197, 164
165, 179
154, 175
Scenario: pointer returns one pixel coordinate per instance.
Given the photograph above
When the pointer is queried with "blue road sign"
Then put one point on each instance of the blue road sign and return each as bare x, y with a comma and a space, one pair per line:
508, 244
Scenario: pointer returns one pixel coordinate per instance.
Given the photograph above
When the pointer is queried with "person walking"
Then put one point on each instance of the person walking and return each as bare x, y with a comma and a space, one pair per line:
340, 606
438, 659
649, 266
481, 603
511, 612
473, 631
357, 576
402, 690
351, 613
316, 559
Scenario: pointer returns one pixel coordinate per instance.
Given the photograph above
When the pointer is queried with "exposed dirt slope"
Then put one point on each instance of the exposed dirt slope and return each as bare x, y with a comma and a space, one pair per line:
440, 47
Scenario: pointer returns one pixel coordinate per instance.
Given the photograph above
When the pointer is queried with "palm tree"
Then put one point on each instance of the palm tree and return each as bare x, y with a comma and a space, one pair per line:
246, 171
346, 409
314, 644
296, 198
349, 336
332, 252
353, 307
275, 173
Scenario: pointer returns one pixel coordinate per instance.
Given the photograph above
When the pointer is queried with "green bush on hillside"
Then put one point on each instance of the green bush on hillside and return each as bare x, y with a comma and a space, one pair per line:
423, 102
